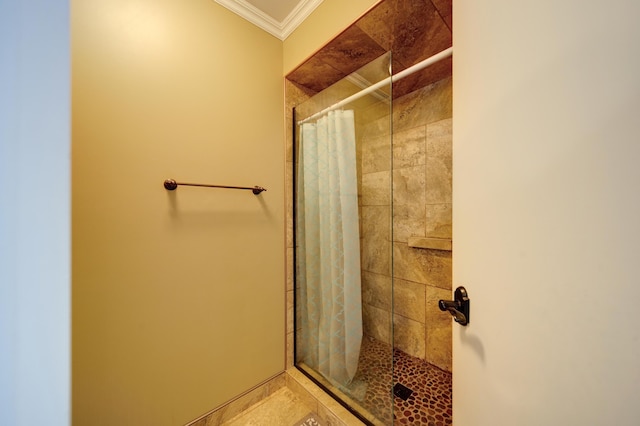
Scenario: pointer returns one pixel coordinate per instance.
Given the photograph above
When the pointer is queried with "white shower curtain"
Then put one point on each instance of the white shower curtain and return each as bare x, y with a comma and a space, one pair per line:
328, 247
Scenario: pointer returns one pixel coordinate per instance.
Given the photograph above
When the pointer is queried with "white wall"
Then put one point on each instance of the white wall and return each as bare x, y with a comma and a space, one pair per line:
34, 213
547, 212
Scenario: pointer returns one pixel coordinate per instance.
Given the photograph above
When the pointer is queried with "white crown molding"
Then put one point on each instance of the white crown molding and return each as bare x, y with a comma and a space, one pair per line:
298, 15
257, 17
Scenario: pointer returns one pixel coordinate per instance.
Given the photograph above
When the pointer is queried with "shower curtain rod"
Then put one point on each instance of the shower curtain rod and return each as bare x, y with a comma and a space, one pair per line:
402, 74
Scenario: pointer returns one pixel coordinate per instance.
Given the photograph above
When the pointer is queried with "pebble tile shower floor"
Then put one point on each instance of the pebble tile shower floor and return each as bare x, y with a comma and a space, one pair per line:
430, 402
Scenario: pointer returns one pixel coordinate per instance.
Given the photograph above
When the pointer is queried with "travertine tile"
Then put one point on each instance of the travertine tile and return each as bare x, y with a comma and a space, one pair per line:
427, 105
377, 290
289, 204
438, 181
328, 410
377, 121
298, 312
438, 329
408, 202
305, 396
242, 404
288, 138
419, 31
201, 422
294, 95
440, 129
376, 255
408, 221
438, 347
409, 148
334, 414
371, 73
298, 323
376, 115
376, 323
423, 78
284, 407
376, 189
328, 417
300, 345
378, 24
439, 162
289, 270
409, 299
290, 356
307, 389
375, 222
315, 75
376, 154
409, 336
430, 243
290, 311
409, 186
439, 100
338, 91
432, 267
434, 317
412, 29
438, 222
350, 50
445, 9
276, 383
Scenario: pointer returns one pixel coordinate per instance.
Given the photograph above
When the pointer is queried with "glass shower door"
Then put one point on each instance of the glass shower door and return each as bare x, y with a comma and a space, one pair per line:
343, 241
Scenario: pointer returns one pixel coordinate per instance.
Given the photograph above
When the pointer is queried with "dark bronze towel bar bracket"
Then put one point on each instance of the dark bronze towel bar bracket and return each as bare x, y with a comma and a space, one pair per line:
171, 184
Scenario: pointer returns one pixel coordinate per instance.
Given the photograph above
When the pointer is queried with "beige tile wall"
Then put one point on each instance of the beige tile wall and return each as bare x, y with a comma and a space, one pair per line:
421, 180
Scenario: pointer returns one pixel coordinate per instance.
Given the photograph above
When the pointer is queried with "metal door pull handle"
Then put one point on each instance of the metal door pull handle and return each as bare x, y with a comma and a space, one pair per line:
459, 307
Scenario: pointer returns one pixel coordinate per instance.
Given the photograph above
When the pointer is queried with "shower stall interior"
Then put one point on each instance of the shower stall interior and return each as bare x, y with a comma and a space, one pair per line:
372, 244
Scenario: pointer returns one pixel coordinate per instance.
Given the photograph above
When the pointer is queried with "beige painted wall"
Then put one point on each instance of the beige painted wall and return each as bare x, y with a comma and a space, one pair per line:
178, 297
326, 22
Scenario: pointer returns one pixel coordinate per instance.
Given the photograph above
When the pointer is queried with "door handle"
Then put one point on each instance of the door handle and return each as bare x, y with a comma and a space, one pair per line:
459, 307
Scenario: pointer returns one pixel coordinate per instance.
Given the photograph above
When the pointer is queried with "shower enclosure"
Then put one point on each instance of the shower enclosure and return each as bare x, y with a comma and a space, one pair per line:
342, 232
372, 238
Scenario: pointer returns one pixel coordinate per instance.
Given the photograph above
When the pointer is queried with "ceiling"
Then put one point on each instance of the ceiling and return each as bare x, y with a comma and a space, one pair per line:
277, 17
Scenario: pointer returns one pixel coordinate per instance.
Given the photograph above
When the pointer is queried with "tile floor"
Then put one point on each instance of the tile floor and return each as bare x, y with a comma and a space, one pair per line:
282, 408
296, 396
430, 404
288, 399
